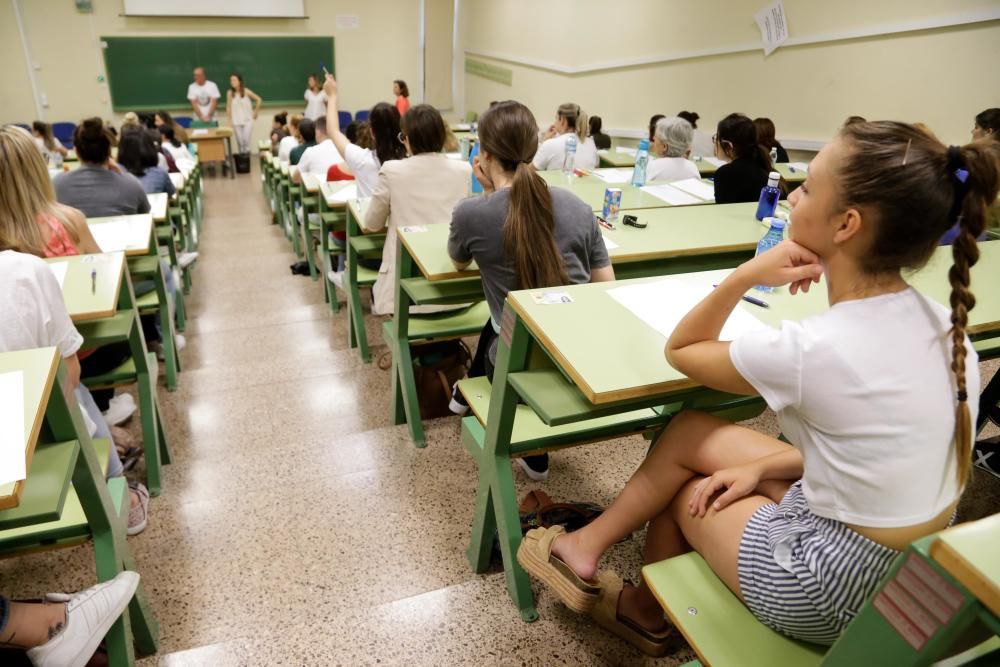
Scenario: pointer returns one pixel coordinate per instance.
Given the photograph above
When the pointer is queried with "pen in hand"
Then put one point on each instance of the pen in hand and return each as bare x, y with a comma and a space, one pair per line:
750, 299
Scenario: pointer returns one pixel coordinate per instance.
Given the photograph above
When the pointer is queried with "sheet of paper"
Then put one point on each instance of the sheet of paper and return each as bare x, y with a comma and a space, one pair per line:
12, 466
614, 175
773, 27
59, 271
672, 196
609, 244
714, 161
112, 236
663, 303
799, 166
346, 193
625, 150
199, 132
696, 187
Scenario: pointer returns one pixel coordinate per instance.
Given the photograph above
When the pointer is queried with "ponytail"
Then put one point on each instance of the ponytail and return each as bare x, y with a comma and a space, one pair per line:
582, 125
529, 232
576, 118
975, 172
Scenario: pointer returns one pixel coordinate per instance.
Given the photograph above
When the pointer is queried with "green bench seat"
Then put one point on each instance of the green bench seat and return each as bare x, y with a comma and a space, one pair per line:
450, 324
462, 290
46, 485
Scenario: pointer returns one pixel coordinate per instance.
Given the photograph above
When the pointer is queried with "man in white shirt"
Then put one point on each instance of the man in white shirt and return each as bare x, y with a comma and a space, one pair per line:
319, 158
203, 95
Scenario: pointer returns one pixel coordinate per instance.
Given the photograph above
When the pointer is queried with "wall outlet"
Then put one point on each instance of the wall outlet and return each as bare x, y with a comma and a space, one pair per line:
44, 99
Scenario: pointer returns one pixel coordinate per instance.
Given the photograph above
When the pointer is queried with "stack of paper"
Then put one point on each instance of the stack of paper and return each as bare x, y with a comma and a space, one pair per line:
672, 196
112, 236
345, 194
12, 464
697, 187
664, 303
614, 175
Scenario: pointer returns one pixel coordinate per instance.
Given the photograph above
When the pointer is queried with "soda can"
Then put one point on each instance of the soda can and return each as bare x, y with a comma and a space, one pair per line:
612, 203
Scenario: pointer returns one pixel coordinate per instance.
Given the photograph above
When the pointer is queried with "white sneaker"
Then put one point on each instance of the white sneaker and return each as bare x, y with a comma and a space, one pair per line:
186, 259
89, 616
337, 278
120, 408
539, 475
180, 342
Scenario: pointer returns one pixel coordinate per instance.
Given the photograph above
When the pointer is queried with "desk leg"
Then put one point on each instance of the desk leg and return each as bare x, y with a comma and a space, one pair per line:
229, 157
496, 515
356, 333
405, 405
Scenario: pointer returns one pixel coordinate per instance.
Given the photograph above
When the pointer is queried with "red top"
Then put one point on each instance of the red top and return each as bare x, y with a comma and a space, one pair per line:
402, 104
59, 244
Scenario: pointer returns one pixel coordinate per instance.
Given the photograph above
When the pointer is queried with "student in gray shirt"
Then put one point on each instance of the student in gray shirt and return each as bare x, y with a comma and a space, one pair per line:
96, 188
522, 233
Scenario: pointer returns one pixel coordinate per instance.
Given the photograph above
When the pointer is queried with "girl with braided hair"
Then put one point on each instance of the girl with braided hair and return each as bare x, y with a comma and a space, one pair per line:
873, 394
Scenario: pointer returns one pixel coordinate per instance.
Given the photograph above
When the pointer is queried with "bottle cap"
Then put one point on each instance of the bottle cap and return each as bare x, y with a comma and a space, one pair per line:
773, 178
644, 145
775, 223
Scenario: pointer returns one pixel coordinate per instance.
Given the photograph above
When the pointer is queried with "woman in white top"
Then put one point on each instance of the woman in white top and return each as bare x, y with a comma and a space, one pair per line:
873, 394
178, 151
52, 150
672, 142
293, 139
315, 99
420, 190
240, 111
570, 121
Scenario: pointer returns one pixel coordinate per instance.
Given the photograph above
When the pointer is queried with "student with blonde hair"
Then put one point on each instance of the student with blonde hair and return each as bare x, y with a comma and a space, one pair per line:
672, 145
571, 120
46, 142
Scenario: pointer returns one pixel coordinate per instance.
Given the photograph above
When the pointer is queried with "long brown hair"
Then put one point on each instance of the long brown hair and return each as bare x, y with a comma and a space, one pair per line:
45, 130
917, 189
508, 133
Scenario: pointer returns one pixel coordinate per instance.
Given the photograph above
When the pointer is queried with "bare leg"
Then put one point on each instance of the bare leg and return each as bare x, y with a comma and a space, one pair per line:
32, 624
695, 444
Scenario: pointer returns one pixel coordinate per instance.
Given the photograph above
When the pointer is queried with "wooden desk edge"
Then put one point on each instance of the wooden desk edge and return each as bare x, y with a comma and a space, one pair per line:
967, 574
451, 275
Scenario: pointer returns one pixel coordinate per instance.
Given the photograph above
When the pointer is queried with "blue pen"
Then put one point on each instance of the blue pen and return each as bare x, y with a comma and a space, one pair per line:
750, 299
791, 169
323, 67
93, 281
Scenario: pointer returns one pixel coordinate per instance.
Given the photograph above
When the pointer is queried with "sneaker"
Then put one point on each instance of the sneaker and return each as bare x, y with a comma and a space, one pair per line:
120, 408
457, 404
337, 278
180, 342
186, 259
138, 516
89, 616
535, 467
986, 455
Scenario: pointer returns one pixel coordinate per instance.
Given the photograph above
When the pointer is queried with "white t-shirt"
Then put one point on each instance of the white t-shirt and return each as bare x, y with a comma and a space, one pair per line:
203, 94
242, 111
315, 104
552, 151
866, 392
671, 169
364, 165
34, 314
319, 158
285, 147
181, 155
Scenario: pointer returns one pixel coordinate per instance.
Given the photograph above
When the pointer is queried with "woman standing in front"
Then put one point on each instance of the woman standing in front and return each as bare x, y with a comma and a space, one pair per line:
402, 93
315, 99
240, 111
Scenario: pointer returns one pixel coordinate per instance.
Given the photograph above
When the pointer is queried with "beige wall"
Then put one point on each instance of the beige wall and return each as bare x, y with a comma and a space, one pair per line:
940, 76
66, 46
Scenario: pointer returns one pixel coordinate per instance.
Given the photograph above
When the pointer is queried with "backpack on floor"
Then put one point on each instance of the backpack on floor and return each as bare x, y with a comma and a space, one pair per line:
436, 367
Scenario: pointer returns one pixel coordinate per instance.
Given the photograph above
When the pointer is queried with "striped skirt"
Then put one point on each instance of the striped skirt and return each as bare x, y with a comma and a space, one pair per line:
806, 576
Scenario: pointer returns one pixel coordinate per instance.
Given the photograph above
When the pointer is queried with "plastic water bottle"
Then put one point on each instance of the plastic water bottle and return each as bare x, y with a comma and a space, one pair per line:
774, 154
769, 195
569, 155
775, 235
476, 185
641, 160
56, 160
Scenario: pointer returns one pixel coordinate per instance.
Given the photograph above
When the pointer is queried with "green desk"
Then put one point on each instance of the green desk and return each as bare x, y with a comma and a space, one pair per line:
594, 379
38, 373
87, 299
591, 190
792, 175
970, 552
132, 234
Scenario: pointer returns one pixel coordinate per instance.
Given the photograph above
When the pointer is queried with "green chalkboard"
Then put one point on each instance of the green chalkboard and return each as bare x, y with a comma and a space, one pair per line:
149, 73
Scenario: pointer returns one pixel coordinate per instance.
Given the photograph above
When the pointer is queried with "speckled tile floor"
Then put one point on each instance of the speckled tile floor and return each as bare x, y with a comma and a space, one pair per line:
298, 526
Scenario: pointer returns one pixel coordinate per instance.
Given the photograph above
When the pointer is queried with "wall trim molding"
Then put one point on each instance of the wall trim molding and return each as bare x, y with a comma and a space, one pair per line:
917, 25
793, 144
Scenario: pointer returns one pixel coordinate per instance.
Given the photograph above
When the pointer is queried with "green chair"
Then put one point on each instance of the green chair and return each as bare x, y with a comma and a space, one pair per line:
921, 612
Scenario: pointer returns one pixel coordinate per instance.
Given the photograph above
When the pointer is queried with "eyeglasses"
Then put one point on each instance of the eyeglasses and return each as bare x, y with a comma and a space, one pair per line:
401, 137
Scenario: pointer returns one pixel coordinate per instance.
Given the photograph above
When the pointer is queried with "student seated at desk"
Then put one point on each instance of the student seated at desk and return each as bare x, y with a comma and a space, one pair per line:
35, 316
279, 130
286, 144
161, 118
653, 120
570, 120
601, 140
748, 164
701, 143
672, 145
177, 150
880, 416
522, 233
306, 132
137, 154
765, 137
319, 158
66, 634
51, 149
98, 188
987, 125
420, 190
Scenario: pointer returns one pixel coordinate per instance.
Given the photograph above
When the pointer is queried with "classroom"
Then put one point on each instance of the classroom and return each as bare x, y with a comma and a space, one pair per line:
459, 332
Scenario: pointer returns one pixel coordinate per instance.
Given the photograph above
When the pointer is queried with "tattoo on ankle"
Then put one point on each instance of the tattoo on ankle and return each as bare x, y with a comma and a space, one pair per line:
56, 629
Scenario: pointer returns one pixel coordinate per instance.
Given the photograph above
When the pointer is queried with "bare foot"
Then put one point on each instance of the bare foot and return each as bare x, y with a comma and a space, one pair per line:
570, 550
632, 606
